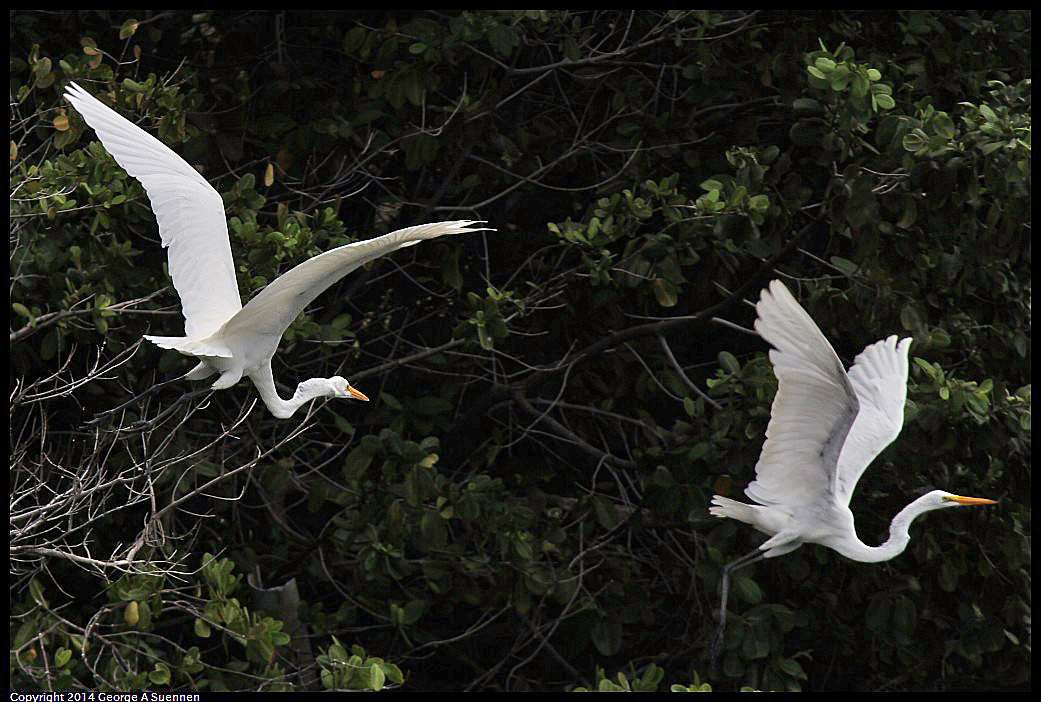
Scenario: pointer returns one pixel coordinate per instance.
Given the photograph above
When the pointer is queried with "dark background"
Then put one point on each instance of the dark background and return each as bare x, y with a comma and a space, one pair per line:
522, 505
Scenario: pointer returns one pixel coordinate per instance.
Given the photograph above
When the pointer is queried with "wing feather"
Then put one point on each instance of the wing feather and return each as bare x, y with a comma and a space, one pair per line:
813, 409
275, 307
879, 377
189, 211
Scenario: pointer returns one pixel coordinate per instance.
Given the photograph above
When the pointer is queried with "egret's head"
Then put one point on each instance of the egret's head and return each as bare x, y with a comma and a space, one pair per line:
940, 499
343, 388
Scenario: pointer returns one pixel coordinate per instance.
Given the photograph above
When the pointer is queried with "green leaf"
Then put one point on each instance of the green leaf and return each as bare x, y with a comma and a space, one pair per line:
432, 529
904, 616
876, 616
356, 464
839, 81
41, 69
910, 214
748, 590
392, 672
914, 141
805, 133
927, 367
806, 105
606, 634
36, 590
988, 114
415, 89
390, 401
665, 292
25, 632
688, 406
943, 125
606, 513
860, 86
128, 28
756, 644
431, 406
413, 610
729, 362
503, 39
160, 675
845, 266
483, 337
791, 667
910, 319
22, 311
62, 656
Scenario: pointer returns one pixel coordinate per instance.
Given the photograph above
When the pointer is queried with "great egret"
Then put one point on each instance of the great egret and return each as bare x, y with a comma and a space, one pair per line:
825, 428
228, 338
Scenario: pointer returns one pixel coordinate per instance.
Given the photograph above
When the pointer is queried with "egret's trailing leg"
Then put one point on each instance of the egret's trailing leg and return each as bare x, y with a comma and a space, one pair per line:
717, 640
826, 426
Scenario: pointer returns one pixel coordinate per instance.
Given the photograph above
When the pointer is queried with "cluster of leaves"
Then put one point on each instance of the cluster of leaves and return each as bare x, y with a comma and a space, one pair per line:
647, 682
524, 501
135, 604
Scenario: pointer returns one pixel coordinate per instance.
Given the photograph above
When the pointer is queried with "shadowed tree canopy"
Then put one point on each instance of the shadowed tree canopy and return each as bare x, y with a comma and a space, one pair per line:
523, 505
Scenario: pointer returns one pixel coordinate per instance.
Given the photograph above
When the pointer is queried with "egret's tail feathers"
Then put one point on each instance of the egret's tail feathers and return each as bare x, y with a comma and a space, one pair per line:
192, 347
168, 342
200, 372
725, 507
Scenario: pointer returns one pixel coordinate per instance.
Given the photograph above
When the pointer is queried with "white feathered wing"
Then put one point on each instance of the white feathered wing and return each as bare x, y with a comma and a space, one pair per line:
189, 211
825, 426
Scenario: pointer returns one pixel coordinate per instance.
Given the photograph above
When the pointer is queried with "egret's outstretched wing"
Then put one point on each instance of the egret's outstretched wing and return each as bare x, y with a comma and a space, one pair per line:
189, 211
812, 412
276, 306
879, 377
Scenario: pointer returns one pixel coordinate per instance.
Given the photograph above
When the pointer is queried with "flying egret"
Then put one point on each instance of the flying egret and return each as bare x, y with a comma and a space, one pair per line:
825, 428
228, 338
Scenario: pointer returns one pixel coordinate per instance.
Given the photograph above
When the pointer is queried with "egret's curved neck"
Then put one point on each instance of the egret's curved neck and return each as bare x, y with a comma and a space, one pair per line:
898, 535
284, 409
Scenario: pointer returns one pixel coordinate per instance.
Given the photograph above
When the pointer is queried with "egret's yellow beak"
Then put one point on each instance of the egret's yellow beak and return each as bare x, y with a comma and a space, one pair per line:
970, 500
356, 393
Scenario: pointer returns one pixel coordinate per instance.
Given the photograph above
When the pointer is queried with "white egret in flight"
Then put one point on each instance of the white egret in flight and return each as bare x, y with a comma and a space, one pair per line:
226, 337
825, 427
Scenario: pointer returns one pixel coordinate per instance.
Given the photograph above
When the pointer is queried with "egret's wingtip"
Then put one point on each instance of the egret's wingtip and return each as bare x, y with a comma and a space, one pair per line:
467, 225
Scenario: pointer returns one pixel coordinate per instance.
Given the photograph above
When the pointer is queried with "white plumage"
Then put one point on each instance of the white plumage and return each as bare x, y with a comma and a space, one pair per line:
228, 338
826, 426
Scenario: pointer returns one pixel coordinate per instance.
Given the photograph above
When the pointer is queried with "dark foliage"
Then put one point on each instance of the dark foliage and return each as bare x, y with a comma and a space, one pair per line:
523, 504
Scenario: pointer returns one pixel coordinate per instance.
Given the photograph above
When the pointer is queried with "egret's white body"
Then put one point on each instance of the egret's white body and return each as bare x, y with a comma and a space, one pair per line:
826, 426
226, 337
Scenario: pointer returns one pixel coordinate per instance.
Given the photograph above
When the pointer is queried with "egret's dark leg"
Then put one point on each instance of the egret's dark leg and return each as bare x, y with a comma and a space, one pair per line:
717, 640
